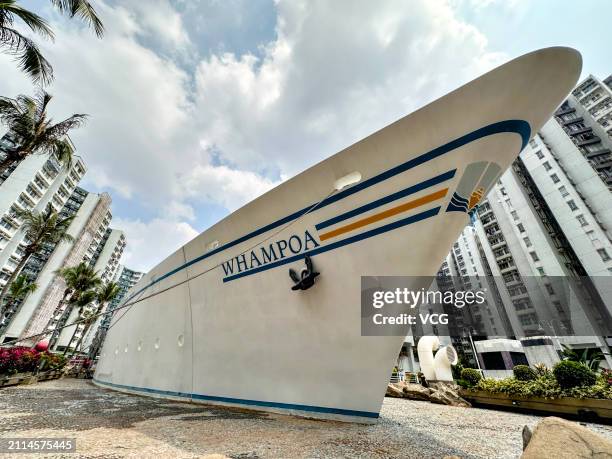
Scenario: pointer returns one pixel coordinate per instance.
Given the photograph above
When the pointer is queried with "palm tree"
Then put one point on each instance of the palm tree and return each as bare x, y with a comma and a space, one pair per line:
106, 294
79, 279
589, 357
83, 10
19, 289
83, 301
41, 228
30, 59
31, 131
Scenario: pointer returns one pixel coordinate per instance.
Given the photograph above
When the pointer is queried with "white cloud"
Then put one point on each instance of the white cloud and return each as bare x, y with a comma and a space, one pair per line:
150, 242
335, 72
219, 184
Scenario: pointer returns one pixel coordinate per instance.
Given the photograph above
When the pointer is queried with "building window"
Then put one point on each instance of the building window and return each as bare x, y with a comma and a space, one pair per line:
563, 191
6, 224
549, 289
514, 215
572, 205
603, 254
527, 241
547, 166
541, 272
534, 256
539, 154
520, 227
528, 319
582, 220
555, 178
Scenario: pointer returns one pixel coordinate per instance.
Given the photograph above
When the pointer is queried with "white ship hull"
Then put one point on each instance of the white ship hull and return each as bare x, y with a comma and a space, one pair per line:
218, 322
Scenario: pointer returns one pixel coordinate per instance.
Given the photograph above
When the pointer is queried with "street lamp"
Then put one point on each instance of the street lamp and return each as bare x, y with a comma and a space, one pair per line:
469, 334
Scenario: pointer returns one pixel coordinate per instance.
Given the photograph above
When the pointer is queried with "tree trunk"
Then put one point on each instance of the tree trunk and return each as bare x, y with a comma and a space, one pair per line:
57, 331
14, 274
76, 329
55, 311
76, 347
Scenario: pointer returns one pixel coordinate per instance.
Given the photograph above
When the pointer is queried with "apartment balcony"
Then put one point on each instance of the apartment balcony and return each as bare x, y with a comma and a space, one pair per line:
603, 164
579, 131
565, 112
573, 120
599, 117
602, 151
488, 223
502, 256
590, 141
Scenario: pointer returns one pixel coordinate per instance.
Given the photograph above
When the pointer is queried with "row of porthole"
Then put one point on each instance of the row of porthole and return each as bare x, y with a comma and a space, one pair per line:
156, 345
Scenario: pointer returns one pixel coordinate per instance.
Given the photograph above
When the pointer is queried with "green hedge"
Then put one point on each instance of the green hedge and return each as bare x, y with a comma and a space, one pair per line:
471, 376
524, 373
544, 387
571, 374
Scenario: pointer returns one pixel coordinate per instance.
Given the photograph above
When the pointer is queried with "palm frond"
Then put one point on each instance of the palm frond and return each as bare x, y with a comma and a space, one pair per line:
42, 100
83, 10
30, 59
62, 128
32, 20
64, 152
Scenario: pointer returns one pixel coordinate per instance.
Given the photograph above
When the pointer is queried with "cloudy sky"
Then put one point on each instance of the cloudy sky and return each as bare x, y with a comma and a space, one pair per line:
198, 106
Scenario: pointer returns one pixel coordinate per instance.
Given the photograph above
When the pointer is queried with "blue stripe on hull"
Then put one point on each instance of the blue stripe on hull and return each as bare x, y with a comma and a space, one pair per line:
350, 240
246, 402
520, 127
387, 199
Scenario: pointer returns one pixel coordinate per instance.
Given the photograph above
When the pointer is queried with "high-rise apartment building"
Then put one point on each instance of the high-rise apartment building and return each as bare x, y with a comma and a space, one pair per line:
586, 117
91, 219
35, 183
543, 239
125, 278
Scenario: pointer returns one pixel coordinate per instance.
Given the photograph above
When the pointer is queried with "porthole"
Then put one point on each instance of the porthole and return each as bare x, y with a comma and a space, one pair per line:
139, 347
181, 340
126, 348
116, 351
156, 345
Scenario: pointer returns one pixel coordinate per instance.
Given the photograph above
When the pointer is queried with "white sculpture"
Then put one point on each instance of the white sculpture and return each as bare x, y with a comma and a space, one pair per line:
444, 359
436, 368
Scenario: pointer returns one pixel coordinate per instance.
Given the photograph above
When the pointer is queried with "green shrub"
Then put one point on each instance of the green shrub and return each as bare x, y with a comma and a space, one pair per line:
544, 387
541, 370
571, 374
524, 373
463, 383
471, 376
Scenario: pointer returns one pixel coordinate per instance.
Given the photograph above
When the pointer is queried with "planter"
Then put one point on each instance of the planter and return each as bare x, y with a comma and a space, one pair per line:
582, 407
49, 375
29, 378
16, 379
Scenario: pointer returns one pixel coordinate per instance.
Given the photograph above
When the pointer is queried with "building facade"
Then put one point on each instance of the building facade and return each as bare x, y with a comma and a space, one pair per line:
38, 312
125, 278
34, 184
540, 244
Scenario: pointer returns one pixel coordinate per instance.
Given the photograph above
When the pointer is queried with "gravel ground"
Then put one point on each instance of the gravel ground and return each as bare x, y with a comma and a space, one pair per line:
109, 424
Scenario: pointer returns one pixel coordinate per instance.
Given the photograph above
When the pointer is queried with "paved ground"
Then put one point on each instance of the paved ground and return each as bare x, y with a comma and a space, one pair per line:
109, 424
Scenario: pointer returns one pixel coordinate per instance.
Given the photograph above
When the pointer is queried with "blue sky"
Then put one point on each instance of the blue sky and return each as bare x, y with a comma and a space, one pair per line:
199, 106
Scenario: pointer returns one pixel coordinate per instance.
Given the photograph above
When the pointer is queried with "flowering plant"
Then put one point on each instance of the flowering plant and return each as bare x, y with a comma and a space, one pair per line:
20, 359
